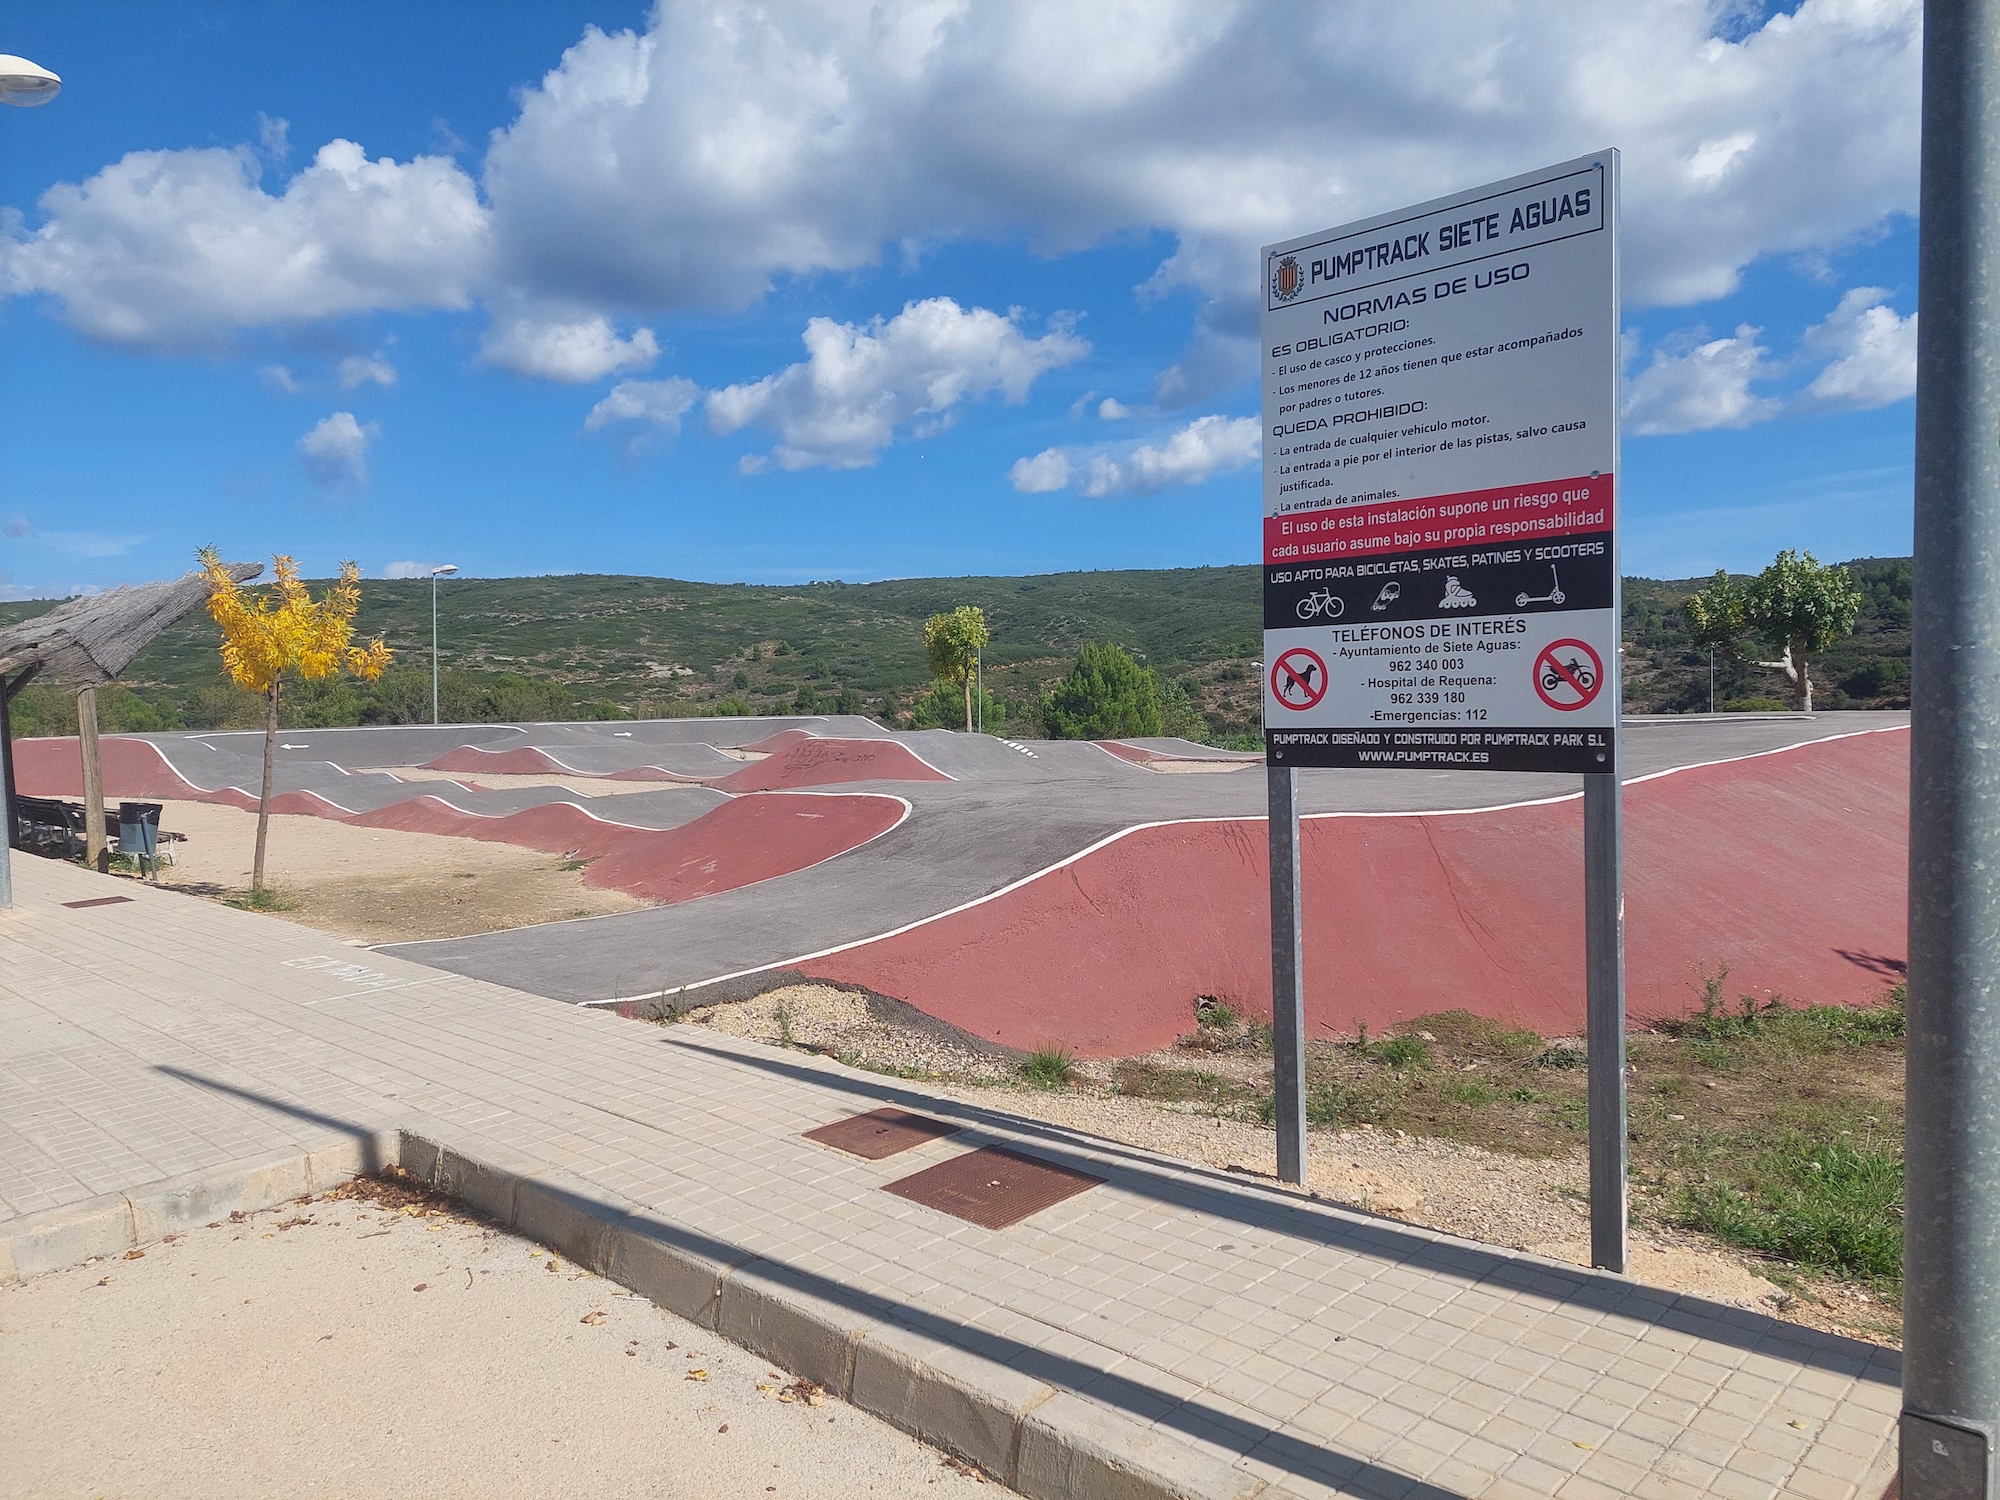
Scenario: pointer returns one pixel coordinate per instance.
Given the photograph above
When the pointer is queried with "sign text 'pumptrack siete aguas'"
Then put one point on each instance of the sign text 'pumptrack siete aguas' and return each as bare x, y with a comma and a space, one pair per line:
1440, 454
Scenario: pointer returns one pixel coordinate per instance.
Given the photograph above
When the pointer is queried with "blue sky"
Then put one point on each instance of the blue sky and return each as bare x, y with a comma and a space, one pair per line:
581, 345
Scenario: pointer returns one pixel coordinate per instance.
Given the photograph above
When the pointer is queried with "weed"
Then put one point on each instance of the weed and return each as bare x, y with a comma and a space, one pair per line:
1562, 1056
262, 898
1048, 1068
1403, 1053
783, 1016
1467, 1091
1212, 1013
1833, 1205
572, 862
1259, 1035
1148, 1080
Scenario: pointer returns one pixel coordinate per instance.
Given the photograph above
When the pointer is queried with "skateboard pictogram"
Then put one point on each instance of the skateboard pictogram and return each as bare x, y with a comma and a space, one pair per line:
1568, 675
1298, 678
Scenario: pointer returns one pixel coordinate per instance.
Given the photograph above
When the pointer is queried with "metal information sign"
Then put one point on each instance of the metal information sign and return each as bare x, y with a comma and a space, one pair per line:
1440, 447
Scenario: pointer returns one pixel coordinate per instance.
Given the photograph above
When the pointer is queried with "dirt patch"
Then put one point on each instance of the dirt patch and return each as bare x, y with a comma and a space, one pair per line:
583, 786
380, 885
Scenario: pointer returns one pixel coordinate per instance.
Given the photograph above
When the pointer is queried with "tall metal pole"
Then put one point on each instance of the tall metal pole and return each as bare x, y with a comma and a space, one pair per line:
1288, 1017
1604, 1002
1951, 1253
434, 646
6, 798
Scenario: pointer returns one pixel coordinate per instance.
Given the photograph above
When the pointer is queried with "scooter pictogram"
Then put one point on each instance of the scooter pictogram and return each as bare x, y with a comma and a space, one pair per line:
1553, 596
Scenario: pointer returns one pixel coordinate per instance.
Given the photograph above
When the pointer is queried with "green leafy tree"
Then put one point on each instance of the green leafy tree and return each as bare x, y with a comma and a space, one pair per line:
1800, 607
953, 643
1717, 616
1107, 695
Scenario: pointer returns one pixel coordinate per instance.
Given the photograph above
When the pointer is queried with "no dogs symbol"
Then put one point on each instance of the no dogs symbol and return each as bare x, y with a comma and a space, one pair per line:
1568, 675
1298, 678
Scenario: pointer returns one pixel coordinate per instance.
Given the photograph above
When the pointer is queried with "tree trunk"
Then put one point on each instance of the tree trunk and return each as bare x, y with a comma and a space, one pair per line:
264, 797
968, 703
1805, 680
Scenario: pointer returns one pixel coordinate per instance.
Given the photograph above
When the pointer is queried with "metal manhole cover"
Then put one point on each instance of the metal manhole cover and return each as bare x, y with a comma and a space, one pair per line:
992, 1187
880, 1133
96, 901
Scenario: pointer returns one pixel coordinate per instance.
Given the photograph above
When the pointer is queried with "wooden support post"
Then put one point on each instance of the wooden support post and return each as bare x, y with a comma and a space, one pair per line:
96, 851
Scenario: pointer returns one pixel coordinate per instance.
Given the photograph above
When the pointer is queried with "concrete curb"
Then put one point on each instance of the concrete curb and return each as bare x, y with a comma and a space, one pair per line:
1038, 1439
112, 1223
1041, 1440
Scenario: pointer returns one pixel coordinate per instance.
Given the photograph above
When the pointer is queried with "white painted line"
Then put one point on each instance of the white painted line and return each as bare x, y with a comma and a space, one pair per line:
1442, 812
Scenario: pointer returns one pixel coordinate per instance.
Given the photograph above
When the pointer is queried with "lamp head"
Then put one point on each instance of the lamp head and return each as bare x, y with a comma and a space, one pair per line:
24, 83
444, 570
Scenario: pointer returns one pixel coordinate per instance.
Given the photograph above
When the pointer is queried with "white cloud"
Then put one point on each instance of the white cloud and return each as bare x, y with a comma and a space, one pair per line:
405, 570
656, 403
1702, 387
729, 146
1111, 409
1872, 352
1204, 448
88, 543
16, 527
280, 379
274, 137
178, 249
1866, 353
1046, 471
860, 383
336, 451
361, 369
572, 349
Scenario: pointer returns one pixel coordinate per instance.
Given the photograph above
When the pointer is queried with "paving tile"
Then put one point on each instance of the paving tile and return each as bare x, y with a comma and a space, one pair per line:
1478, 1369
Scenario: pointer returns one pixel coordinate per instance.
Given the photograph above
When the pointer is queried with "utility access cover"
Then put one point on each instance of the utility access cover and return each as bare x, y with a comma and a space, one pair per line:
993, 1187
880, 1133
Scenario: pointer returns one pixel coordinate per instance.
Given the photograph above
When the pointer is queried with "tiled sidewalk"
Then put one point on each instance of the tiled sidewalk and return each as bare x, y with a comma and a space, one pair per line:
1245, 1339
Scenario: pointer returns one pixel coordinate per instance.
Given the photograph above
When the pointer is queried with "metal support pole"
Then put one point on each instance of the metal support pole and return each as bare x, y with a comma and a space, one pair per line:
1604, 986
1288, 1012
96, 848
1951, 1251
434, 647
6, 798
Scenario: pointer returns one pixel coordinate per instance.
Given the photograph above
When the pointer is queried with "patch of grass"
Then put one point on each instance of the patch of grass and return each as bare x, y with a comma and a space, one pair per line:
869, 1065
1402, 1052
1832, 1205
571, 862
262, 898
1150, 1080
1563, 1057
1048, 1068
1470, 1091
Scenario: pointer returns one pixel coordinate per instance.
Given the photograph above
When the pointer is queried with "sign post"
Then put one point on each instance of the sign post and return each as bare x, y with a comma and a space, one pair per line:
1441, 587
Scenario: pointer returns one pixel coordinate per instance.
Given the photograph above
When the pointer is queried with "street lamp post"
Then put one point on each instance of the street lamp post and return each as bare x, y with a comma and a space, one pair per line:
25, 85
442, 570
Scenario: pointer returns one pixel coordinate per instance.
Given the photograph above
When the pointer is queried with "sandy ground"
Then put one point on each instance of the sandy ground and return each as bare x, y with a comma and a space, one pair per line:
1539, 1206
379, 885
343, 1348
583, 786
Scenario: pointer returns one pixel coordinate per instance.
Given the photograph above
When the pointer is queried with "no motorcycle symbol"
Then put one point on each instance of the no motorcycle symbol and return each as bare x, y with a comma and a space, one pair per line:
1568, 675
1298, 678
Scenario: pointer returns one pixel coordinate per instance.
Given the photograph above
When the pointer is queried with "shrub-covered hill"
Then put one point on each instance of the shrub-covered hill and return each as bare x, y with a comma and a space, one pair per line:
606, 645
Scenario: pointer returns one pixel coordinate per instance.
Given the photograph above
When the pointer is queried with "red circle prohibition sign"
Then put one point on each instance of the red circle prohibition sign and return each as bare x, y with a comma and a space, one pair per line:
1298, 678
1568, 675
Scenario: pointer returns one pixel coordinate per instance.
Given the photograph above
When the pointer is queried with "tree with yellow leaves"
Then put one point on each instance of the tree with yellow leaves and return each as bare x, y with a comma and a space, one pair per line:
282, 630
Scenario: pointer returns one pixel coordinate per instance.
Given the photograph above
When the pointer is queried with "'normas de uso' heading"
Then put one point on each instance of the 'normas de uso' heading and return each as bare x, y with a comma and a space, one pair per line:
1535, 213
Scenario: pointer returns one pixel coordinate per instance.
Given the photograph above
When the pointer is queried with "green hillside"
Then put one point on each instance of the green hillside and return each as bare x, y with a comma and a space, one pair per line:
609, 646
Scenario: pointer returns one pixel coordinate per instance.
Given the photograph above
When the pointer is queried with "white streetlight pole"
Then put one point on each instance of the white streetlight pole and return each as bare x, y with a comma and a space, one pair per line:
23, 84
443, 570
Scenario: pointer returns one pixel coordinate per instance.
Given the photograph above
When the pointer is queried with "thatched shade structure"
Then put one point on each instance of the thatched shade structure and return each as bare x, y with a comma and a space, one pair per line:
85, 642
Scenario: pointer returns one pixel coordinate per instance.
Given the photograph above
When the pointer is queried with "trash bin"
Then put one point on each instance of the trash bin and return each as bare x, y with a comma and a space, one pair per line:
139, 834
